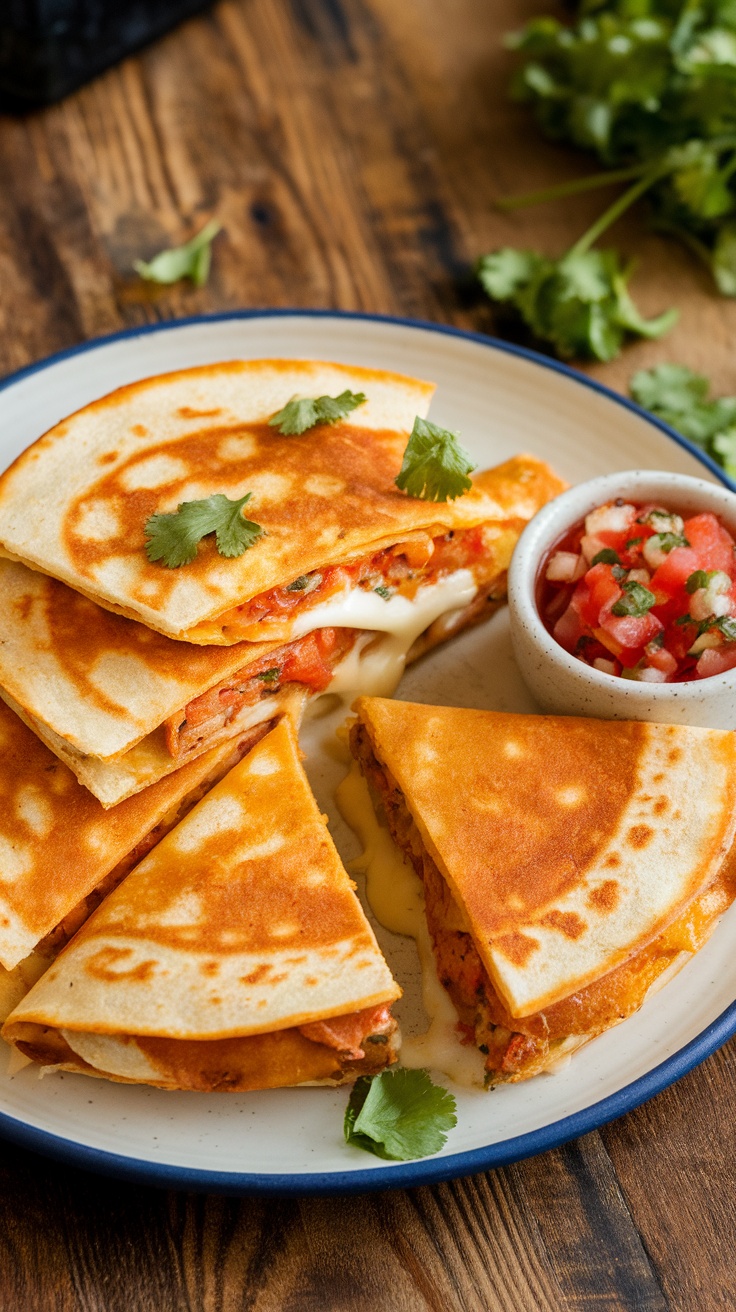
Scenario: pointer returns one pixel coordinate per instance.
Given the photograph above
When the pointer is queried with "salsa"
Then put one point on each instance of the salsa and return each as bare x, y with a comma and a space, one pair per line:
640, 592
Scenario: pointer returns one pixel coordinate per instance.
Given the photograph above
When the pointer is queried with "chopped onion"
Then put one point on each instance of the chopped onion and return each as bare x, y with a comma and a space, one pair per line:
562, 567
609, 519
607, 667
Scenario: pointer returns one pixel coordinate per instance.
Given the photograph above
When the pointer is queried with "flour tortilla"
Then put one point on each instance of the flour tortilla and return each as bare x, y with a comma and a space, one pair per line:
569, 844
75, 504
240, 923
57, 843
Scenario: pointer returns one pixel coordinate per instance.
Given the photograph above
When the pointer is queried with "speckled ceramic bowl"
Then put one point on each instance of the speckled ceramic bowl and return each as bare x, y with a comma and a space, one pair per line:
566, 686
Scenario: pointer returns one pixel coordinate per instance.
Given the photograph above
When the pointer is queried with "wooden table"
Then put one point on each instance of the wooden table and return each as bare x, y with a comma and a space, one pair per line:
352, 150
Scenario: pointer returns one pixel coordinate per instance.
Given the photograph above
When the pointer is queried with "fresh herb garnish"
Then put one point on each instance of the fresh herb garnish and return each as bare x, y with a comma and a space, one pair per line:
727, 626
399, 1115
700, 578
192, 260
270, 676
637, 600
305, 412
606, 557
299, 584
435, 466
668, 541
680, 397
633, 542
383, 592
578, 304
173, 538
701, 626
648, 86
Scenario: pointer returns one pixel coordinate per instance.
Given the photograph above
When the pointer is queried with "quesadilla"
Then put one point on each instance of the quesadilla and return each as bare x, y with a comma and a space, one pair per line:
123, 705
338, 543
236, 955
567, 864
61, 853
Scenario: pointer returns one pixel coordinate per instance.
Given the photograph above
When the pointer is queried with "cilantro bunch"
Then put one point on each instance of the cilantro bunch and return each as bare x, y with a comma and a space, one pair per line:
681, 398
649, 87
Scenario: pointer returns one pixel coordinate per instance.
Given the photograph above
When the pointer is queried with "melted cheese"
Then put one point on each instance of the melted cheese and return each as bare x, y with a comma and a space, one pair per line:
396, 898
375, 663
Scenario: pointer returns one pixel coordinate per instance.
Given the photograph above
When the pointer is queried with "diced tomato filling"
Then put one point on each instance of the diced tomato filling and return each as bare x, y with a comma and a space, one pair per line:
347, 1034
643, 591
309, 661
401, 568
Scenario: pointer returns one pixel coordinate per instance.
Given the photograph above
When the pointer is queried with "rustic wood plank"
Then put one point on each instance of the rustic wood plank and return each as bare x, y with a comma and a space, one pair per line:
675, 1159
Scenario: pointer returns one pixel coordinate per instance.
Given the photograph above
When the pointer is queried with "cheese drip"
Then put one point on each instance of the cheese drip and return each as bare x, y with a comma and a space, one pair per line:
396, 898
376, 662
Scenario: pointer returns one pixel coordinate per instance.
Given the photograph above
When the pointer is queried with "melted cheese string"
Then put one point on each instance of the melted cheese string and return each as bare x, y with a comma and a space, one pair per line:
396, 898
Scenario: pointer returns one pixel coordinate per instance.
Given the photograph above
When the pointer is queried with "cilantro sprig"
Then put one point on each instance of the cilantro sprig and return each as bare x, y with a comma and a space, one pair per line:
579, 304
648, 87
435, 466
192, 260
399, 1115
303, 413
636, 600
680, 397
173, 538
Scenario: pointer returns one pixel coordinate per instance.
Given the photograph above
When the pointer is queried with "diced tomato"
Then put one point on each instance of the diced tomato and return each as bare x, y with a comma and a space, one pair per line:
631, 630
674, 573
662, 659
307, 662
568, 629
711, 543
716, 660
582, 619
602, 589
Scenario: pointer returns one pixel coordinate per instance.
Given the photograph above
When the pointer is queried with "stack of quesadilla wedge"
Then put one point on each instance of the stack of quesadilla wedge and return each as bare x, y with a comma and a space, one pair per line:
127, 669
567, 864
61, 853
236, 956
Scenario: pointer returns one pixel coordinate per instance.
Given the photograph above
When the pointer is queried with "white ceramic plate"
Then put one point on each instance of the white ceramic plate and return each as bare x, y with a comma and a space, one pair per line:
502, 400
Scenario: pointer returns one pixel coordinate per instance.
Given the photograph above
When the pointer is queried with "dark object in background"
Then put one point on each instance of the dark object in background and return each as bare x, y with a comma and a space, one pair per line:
49, 47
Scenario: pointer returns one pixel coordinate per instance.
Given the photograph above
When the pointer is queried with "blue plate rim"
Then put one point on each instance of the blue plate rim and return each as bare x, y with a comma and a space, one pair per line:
430, 1170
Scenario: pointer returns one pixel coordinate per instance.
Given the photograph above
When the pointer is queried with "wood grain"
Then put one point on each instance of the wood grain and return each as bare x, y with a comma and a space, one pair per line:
353, 150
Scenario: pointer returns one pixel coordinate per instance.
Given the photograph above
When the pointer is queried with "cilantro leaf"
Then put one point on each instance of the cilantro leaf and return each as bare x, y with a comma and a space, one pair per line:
399, 1115
637, 600
700, 578
435, 466
192, 260
302, 413
383, 591
606, 557
680, 397
578, 304
727, 626
173, 538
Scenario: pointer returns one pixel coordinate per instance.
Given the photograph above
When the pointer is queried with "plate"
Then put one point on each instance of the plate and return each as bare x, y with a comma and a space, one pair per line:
502, 400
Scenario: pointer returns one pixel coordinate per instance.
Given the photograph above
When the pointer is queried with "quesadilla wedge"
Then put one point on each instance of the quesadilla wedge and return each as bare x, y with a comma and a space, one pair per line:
61, 853
236, 956
123, 705
337, 542
567, 864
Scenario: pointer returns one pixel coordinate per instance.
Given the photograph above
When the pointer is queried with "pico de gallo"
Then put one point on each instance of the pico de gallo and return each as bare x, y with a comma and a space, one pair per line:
641, 592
